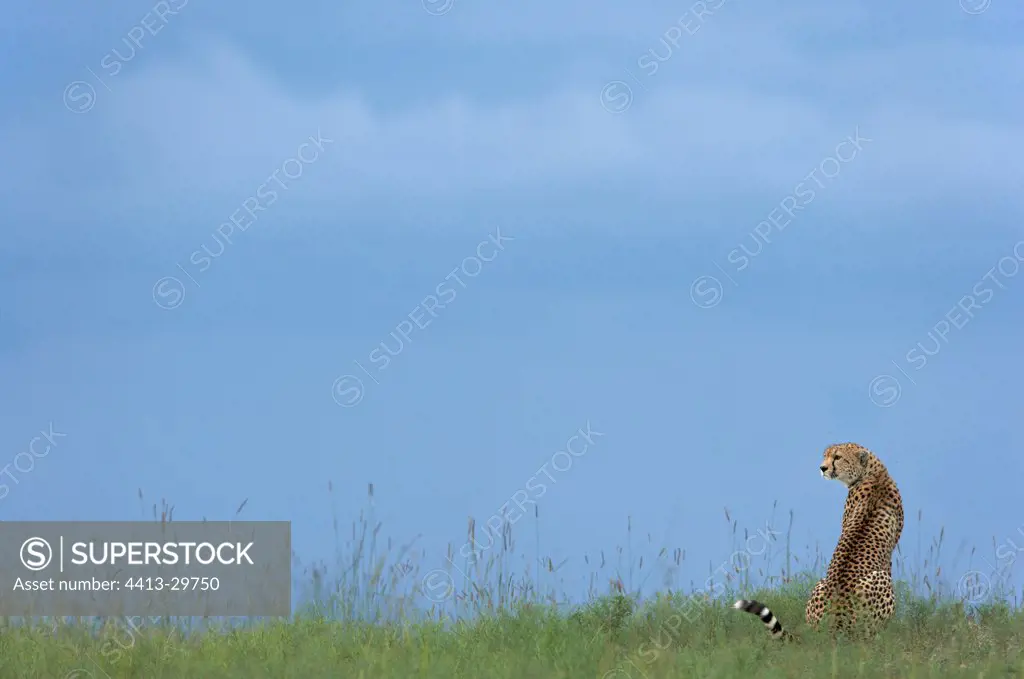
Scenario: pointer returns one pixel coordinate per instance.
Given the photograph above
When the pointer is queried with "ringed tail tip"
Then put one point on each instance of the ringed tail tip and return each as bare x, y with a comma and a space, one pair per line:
768, 618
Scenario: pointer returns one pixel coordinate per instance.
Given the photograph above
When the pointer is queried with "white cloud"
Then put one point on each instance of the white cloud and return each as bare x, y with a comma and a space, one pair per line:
214, 125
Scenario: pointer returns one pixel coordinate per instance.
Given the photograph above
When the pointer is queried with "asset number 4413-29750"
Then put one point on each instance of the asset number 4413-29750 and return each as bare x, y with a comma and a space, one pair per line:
174, 584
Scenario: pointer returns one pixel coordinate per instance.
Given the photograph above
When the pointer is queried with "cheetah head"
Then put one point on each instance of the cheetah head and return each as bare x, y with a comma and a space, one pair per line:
845, 462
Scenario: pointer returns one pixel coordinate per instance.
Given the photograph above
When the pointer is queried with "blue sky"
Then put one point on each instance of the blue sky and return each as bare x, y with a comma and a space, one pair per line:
726, 230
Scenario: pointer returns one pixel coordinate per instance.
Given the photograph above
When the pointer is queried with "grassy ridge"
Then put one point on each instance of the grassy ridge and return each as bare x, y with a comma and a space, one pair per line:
368, 621
602, 641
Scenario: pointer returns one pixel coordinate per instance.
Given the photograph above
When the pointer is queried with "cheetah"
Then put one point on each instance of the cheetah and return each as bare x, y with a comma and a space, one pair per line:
859, 577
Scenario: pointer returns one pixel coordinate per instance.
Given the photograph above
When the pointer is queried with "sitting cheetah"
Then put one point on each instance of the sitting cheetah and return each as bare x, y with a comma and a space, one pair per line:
860, 574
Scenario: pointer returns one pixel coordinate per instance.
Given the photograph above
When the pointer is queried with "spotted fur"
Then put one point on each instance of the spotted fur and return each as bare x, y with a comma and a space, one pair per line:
859, 577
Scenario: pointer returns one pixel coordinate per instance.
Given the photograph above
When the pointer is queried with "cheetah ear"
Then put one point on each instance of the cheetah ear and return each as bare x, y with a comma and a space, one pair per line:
864, 457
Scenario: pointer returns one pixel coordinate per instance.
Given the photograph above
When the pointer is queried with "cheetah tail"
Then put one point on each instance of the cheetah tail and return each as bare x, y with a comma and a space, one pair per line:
766, 616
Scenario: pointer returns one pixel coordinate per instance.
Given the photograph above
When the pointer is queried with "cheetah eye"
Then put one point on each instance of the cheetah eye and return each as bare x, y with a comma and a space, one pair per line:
836, 458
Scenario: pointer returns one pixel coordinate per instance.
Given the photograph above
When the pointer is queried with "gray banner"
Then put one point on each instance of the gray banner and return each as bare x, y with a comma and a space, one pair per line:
181, 568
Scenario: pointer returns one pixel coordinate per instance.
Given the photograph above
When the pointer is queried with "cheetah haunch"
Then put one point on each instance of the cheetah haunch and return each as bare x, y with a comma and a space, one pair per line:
859, 577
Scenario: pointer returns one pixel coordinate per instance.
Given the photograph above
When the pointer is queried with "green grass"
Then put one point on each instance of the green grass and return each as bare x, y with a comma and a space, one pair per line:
371, 620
